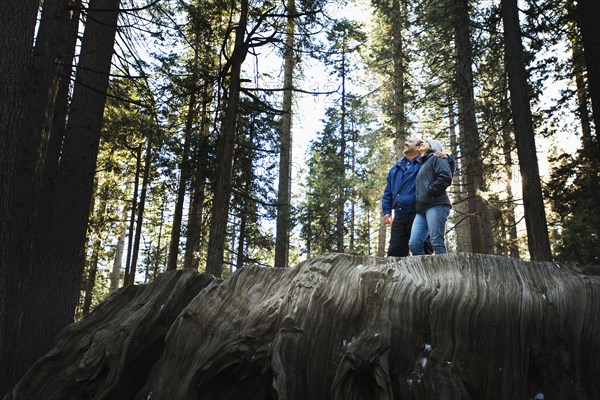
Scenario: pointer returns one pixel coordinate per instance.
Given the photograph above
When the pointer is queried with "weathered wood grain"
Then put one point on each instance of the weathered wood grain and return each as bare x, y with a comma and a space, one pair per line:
460, 326
109, 354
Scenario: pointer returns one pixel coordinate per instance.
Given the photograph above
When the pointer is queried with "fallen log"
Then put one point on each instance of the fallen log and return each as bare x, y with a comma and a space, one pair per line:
460, 326
109, 354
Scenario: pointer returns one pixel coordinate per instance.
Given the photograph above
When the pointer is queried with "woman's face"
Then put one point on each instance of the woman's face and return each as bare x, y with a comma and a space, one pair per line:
424, 147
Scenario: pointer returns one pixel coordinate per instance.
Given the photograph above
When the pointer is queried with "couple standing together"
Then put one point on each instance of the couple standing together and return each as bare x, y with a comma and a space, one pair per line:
416, 192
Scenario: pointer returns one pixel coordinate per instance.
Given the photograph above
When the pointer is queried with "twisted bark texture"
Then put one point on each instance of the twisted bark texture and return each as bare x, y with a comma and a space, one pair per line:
460, 326
109, 354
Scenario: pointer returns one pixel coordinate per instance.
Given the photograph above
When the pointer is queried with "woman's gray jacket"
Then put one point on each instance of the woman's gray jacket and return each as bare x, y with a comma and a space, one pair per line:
434, 176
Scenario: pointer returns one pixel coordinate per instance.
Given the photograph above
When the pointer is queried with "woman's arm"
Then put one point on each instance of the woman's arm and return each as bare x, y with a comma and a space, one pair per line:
442, 176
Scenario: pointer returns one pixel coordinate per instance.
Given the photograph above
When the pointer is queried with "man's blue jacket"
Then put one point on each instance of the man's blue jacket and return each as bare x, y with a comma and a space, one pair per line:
399, 190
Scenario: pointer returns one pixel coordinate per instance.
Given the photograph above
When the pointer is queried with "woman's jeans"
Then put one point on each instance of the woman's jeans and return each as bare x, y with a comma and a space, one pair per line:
430, 221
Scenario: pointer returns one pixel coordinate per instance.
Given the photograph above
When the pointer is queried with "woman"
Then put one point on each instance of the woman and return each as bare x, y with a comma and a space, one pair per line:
433, 204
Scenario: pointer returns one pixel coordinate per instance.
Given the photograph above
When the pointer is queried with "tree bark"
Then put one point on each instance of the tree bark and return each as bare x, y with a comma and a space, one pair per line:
472, 165
60, 261
588, 12
43, 90
191, 257
54, 139
381, 237
184, 173
17, 26
347, 346
578, 62
115, 276
195, 231
53, 278
460, 216
117, 344
141, 206
398, 79
129, 276
341, 172
460, 326
222, 192
284, 196
533, 202
95, 228
511, 221
397, 111
90, 282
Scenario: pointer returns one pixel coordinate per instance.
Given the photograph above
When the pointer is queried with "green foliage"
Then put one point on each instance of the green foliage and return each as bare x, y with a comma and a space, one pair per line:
255, 175
348, 167
357, 178
326, 175
574, 193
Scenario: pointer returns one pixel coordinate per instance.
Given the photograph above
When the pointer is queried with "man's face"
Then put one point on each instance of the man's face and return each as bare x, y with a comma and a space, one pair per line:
411, 146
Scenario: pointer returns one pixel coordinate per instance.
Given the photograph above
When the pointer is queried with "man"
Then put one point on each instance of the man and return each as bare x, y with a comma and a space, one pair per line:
399, 195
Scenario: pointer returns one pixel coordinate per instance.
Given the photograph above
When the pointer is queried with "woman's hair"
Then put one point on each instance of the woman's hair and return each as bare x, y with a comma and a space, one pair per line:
435, 145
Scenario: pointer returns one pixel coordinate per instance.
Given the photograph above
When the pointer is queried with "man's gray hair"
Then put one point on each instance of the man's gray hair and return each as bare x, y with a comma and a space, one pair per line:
417, 138
435, 145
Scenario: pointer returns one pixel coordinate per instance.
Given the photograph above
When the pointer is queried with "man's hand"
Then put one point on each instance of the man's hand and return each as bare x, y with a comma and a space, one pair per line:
441, 154
387, 218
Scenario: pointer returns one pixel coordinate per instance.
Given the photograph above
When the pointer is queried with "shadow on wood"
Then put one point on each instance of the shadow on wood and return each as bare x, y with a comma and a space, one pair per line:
461, 326
109, 354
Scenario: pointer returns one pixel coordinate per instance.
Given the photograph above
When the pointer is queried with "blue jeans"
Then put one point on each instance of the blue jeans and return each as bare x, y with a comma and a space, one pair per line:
430, 221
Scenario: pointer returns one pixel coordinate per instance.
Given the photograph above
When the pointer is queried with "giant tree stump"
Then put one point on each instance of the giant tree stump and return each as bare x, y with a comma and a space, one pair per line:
461, 326
109, 354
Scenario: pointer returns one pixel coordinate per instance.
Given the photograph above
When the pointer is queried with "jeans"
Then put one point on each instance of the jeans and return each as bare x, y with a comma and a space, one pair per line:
430, 221
401, 228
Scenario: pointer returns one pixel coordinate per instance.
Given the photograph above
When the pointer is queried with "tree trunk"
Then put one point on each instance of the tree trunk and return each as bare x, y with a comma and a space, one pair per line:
472, 165
45, 80
119, 352
195, 231
353, 196
115, 276
398, 79
129, 277
578, 62
460, 218
381, 237
178, 212
588, 12
533, 203
53, 278
160, 230
191, 257
282, 235
184, 174
55, 138
17, 26
97, 222
90, 282
461, 326
511, 221
222, 192
141, 206
341, 190
241, 248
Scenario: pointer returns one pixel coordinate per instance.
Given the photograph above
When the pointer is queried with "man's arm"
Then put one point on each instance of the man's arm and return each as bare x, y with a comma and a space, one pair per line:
387, 201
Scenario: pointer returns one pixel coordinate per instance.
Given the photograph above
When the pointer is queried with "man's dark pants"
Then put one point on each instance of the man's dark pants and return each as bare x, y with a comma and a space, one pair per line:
401, 226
